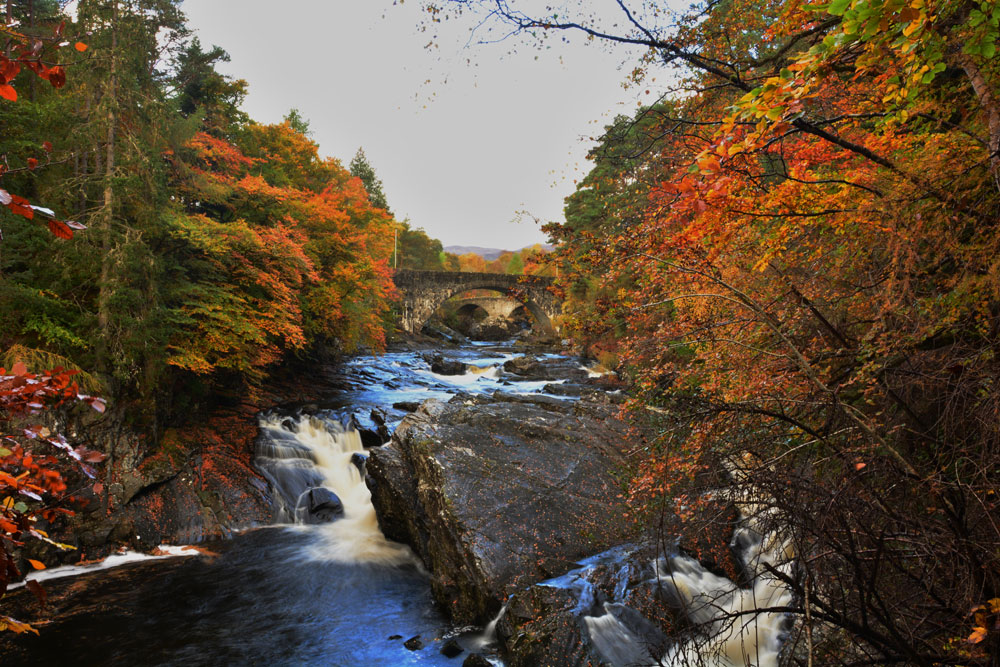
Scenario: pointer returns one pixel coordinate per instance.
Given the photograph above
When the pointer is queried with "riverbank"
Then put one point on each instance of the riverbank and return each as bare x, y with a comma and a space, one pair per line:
504, 472
372, 395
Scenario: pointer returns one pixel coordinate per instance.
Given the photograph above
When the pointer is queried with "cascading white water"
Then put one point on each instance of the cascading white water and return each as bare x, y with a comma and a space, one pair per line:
306, 453
734, 625
738, 628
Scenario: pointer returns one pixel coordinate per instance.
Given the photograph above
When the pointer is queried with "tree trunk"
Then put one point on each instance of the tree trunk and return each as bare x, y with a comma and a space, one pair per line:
989, 104
107, 231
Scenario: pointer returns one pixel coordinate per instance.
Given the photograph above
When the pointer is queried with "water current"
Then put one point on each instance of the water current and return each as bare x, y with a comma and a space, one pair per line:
311, 591
301, 592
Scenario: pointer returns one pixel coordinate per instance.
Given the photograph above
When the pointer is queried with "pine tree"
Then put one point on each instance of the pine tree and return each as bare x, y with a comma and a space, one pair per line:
361, 168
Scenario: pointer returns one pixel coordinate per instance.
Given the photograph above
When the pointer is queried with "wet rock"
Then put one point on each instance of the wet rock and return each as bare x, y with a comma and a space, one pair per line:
527, 367
707, 536
493, 330
324, 505
414, 643
395, 637
540, 628
582, 617
440, 331
406, 406
379, 436
496, 496
377, 416
445, 367
372, 434
359, 461
476, 660
451, 649
546, 367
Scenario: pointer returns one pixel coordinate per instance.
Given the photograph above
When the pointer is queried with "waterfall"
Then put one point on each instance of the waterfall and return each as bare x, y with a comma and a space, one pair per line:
732, 626
315, 467
736, 630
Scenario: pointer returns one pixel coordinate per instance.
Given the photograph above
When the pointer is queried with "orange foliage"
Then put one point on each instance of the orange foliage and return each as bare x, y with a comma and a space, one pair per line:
294, 254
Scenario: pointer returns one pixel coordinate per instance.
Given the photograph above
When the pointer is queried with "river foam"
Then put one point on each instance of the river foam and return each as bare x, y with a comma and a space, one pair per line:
303, 453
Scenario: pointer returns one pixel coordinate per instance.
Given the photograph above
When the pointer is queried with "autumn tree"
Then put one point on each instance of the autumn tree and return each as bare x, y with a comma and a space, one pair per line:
800, 275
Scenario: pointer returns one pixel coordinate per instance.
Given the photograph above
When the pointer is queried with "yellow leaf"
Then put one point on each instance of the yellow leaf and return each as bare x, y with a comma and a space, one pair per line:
15, 626
978, 635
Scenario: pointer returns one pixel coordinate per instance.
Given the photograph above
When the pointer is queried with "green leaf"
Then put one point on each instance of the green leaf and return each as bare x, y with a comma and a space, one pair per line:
786, 74
838, 7
4, 452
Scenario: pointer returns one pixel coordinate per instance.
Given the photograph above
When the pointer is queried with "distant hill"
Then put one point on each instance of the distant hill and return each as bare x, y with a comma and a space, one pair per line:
489, 254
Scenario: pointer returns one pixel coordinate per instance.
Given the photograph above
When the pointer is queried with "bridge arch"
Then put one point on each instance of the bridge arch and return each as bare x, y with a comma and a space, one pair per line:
423, 292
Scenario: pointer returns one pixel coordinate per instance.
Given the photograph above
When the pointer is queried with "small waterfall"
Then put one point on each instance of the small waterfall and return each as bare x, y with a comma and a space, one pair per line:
315, 468
734, 631
488, 636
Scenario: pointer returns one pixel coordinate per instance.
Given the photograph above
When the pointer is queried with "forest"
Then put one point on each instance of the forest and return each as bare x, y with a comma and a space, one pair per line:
791, 257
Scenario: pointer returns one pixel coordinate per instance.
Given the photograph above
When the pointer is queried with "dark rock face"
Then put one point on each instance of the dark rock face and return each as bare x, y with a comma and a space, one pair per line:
494, 496
493, 330
196, 483
528, 367
546, 368
414, 643
451, 649
324, 505
476, 660
359, 461
441, 332
581, 618
372, 432
406, 406
443, 367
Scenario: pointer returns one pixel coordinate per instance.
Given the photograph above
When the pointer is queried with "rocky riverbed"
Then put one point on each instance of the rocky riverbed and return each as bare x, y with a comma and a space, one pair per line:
504, 470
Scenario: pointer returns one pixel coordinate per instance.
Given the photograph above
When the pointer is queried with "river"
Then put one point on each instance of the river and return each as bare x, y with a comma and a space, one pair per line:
323, 586
299, 593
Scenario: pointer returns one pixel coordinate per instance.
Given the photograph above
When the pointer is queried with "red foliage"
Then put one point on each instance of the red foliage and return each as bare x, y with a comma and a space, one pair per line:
30, 52
32, 486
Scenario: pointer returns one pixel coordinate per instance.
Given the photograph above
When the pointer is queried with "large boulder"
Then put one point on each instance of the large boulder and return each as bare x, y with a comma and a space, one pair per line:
324, 505
547, 367
448, 367
495, 495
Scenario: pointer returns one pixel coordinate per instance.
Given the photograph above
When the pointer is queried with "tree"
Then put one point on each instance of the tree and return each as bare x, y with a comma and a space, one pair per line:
361, 168
417, 250
515, 265
298, 123
200, 89
794, 266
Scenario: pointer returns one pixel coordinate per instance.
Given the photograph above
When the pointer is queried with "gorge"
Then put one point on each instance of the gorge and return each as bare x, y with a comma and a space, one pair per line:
500, 485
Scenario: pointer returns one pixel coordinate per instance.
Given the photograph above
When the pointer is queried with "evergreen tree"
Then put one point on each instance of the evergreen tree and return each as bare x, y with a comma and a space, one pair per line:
201, 89
361, 168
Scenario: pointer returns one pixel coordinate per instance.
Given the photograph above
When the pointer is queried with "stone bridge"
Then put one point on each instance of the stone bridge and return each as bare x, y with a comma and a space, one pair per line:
496, 307
424, 291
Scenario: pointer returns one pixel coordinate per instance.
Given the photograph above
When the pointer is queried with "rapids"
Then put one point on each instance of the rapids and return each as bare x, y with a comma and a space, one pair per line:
307, 591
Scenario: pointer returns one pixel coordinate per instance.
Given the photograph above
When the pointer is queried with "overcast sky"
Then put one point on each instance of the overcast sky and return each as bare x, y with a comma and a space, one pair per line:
463, 136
